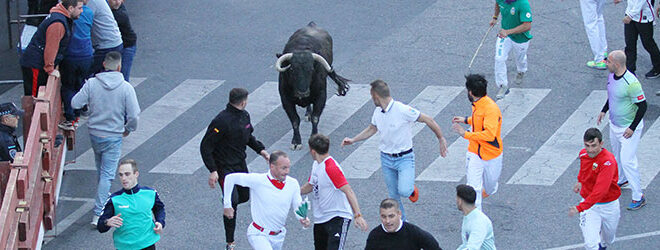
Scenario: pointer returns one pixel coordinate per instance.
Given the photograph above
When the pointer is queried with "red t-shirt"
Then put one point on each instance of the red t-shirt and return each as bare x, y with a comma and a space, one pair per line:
599, 178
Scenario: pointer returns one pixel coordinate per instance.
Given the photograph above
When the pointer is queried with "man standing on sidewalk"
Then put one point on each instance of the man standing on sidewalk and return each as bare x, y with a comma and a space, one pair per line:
638, 22
484, 157
114, 111
75, 65
136, 212
516, 23
223, 150
597, 184
335, 204
627, 105
594, 25
394, 120
106, 36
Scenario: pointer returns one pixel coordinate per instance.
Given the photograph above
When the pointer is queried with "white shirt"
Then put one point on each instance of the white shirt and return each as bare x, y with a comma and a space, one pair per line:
395, 125
640, 11
329, 201
269, 205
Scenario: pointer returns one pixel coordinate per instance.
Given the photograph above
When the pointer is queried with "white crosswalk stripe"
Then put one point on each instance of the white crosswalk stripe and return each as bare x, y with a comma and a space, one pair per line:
561, 149
337, 110
366, 159
514, 108
186, 160
547, 164
156, 117
647, 154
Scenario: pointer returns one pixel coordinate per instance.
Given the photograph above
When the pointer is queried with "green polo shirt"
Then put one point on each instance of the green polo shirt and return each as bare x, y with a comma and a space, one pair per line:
513, 15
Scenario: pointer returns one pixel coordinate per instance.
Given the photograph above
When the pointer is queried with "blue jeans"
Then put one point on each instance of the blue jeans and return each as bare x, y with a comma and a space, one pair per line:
399, 175
74, 72
127, 55
99, 56
107, 151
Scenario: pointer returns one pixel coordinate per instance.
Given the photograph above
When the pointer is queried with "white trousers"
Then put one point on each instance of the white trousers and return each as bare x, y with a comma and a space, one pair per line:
263, 241
482, 175
503, 47
594, 25
599, 223
625, 152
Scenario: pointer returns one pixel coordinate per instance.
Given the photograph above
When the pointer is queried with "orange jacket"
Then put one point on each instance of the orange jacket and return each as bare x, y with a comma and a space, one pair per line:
485, 138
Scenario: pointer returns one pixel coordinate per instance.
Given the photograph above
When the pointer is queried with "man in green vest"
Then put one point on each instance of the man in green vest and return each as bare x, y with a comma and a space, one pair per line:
516, 23
131, 211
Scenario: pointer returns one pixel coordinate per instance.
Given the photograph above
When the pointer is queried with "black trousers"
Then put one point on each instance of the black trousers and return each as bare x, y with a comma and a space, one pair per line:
152, 247
238, 196
331, 235
645, 32
32, 79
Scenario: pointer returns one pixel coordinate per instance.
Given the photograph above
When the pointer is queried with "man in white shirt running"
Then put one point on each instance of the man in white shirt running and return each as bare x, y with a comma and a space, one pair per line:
477, 229
272, 195
335, 203
394, 121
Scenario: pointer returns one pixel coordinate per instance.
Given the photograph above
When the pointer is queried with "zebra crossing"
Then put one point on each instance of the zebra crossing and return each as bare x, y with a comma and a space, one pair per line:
543, 168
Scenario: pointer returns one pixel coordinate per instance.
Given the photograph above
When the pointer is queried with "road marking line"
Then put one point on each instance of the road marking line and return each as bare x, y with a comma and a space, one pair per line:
337, 110
186, 160
66, 198
514, 109
365, 160
69, 220
647, 153
135, 81
618, 239
156, 117
552, 159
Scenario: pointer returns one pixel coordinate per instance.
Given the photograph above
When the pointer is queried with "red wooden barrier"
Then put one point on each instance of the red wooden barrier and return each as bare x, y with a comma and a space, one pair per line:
28, 197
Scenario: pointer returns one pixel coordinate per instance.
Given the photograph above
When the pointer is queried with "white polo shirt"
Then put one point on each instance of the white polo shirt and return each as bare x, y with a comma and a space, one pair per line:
329, 201
395, 125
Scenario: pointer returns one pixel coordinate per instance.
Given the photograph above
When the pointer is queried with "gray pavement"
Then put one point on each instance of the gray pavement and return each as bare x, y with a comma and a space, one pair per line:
409, 44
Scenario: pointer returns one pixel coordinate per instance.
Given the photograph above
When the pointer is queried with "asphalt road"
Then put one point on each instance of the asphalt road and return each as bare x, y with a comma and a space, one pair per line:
411, 45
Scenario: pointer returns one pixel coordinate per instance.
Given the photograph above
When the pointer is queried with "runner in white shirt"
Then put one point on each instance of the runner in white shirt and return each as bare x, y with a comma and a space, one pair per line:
335, 203
272, 194
394, 121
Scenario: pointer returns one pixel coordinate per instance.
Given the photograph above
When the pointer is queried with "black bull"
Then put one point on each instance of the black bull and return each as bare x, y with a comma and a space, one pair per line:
304, 66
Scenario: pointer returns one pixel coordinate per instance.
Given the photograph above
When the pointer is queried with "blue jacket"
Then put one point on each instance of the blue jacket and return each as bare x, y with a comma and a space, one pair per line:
80, 45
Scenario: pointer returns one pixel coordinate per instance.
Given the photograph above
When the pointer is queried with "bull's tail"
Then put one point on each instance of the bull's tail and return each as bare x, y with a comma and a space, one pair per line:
342, 83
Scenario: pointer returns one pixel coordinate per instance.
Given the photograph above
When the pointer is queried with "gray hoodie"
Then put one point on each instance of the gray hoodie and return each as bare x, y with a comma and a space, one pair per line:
112, 103
105, 32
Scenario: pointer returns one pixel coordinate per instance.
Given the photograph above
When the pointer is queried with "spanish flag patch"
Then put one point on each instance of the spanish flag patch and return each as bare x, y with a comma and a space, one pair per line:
216, 130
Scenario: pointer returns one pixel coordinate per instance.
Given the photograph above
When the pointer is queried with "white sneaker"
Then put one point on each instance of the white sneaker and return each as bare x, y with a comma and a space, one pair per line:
504, 90
519, 78
95, 220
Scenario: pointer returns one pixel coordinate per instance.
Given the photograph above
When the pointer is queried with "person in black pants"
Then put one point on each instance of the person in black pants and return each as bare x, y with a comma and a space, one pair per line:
223, 151
638, 22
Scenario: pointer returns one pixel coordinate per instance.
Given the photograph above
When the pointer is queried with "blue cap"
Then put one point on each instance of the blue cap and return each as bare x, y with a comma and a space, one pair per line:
9, 108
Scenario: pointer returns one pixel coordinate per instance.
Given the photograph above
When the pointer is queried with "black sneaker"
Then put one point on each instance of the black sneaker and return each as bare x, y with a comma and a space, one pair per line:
653, 74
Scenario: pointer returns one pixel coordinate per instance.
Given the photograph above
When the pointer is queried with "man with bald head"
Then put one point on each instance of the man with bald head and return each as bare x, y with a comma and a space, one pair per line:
627, 105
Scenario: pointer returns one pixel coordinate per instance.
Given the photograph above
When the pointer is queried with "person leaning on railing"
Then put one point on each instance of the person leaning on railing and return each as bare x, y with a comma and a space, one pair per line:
46, 49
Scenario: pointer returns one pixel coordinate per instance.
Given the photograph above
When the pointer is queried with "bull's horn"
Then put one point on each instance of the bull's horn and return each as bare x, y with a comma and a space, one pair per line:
322, 61
278, 64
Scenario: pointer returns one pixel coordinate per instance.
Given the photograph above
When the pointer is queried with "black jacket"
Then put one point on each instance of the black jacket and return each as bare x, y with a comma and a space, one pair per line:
8, 143
223, 145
